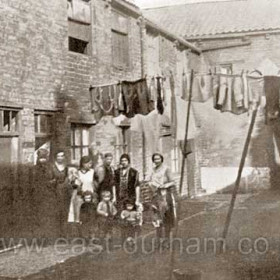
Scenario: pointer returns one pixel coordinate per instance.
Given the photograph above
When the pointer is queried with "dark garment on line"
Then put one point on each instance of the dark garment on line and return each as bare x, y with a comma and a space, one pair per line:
160, 107
271, 87
136, 97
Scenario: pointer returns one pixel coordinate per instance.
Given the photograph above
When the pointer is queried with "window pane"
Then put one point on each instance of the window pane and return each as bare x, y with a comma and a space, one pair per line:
72, 136
85, 138
85, 151
77, 137
78, 153
36, 123
14, 121
6, 126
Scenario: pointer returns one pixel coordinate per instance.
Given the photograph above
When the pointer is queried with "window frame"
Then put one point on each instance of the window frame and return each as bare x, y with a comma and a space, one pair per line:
9, 133
80, 127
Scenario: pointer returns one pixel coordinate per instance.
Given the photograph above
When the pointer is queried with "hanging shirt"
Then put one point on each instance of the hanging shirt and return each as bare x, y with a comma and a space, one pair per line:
255, 89
202, 88
181, 114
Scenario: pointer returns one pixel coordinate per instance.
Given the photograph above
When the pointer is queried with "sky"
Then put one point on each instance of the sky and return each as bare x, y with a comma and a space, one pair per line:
158, 3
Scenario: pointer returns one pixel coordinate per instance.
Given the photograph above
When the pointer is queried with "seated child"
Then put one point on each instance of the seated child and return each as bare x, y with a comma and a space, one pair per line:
131, 221
107, 212
88, 215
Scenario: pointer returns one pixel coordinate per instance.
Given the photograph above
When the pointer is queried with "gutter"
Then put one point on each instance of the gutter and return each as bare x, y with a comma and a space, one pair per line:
137, 12
214, 48
172, 36
232, 35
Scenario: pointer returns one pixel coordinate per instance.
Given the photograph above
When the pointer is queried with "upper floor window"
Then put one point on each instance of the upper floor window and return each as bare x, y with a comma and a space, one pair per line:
79, 10
8, 120
226, 69
79, 26
120, 40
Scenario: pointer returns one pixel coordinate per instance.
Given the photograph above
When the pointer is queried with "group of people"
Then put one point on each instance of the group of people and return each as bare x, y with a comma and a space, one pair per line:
102, 198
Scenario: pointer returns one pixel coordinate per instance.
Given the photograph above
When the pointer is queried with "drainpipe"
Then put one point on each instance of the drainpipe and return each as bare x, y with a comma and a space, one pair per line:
142, 25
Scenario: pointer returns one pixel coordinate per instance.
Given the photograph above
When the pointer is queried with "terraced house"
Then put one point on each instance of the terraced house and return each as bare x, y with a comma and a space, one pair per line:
235, 37
54, 52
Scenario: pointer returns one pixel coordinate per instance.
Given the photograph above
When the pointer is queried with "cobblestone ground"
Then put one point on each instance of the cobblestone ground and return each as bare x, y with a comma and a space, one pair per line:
252, 246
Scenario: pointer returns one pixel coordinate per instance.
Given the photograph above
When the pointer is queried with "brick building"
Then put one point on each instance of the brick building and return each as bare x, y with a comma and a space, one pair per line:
234, 36
52, 52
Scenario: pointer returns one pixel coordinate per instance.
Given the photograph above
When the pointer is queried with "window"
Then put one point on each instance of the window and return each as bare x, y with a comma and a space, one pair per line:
78, 46
8, 121
175, 157
79, 29
43, 122
226, 68
120, 49
9, 132
79, 141
120, 40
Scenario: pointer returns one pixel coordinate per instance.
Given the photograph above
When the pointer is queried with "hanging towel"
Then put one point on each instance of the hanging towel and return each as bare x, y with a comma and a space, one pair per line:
181, 115
160, 107
245, 91
271, 88
202, 88
238, 91
216, 90
255, 90
223, 87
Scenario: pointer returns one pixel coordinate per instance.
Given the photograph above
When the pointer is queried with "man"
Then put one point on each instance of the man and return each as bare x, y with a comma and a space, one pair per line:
104, 176
127, 183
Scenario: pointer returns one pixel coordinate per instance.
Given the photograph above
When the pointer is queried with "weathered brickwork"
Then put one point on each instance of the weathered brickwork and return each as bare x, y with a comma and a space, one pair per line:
33, 48
221, 136
38, 73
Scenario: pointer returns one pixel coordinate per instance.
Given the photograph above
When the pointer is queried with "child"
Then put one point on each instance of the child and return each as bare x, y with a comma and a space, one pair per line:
131, 221
106, 211
88, 215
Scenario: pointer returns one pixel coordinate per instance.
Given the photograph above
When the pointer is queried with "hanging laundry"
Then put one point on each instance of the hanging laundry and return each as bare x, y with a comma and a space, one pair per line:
160, 107
150, 126
181, 115
185, 86
216, 90
245, 91
103, 101
202, 88
173, 105
255, 89
271, 88
238, 91
136, 97
230, 97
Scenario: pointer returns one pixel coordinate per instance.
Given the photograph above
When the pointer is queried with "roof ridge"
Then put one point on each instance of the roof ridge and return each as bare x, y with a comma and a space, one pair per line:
193, 3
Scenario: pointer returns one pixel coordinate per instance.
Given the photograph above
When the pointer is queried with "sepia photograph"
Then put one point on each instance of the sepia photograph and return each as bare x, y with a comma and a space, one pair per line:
140, 139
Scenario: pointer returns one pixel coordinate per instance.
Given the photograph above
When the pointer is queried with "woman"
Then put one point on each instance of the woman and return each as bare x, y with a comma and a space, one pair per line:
163, 202
86, 184
63, 189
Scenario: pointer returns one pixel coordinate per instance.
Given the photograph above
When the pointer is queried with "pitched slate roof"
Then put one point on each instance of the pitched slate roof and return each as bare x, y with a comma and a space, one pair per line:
212, 18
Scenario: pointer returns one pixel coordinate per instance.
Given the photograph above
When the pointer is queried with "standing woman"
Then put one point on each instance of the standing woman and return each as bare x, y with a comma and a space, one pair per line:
63, 190
163, 204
